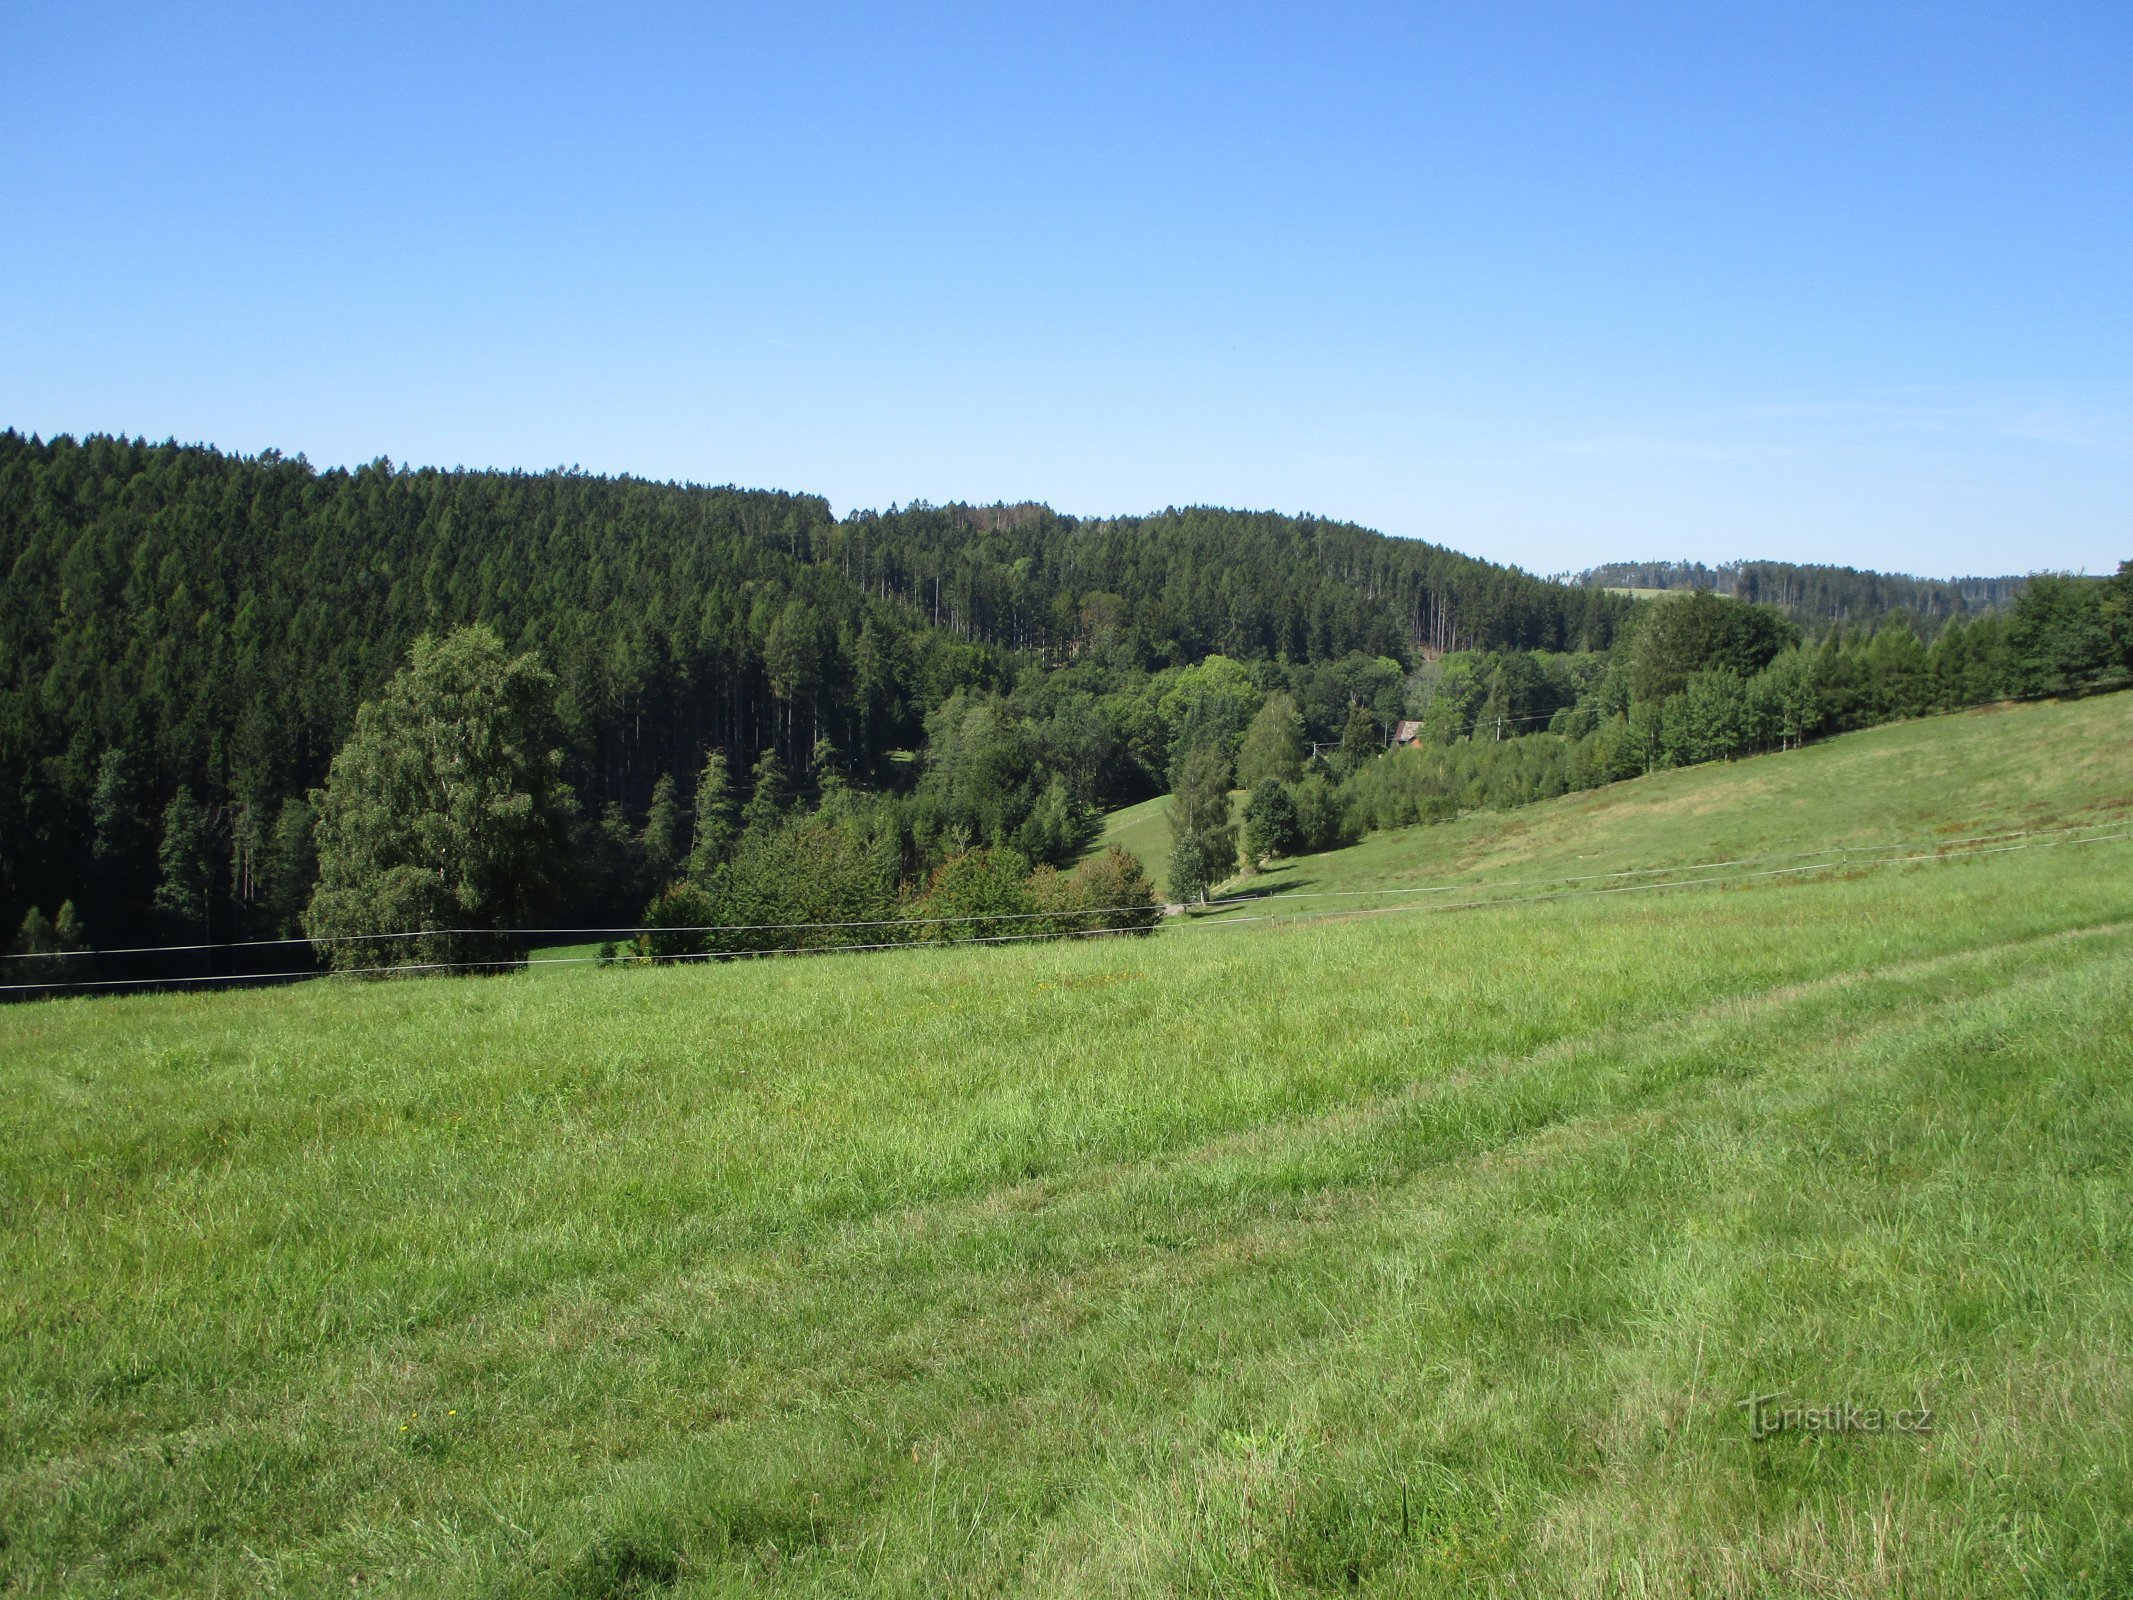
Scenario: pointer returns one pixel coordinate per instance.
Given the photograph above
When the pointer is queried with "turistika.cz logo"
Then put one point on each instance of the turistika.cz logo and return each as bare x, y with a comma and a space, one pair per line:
1771, 1414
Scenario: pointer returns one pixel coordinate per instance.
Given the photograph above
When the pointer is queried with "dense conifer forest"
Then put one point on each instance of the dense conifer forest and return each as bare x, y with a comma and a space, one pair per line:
187, 634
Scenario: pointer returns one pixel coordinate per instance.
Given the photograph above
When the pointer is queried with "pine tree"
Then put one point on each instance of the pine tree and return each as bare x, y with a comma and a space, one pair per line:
114, 818
292, 867
115, 851
767, 798
664, 842
1359, 740
1270, 822
716, 828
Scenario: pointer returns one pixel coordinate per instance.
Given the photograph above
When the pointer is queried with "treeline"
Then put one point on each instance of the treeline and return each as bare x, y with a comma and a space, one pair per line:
1703, 678
1176, 587
1821, 598
186, 637
443, 825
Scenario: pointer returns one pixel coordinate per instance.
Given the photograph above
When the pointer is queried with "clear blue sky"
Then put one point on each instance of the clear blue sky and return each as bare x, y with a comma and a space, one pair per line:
1552, 284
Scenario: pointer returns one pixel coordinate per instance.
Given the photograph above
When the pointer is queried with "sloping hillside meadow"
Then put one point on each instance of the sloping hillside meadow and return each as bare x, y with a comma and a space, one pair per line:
1401, 1253
1886, 791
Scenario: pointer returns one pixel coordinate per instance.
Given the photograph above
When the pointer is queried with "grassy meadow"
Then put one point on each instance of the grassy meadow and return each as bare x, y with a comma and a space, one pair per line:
1143, 829
1967, 774
1396, 1254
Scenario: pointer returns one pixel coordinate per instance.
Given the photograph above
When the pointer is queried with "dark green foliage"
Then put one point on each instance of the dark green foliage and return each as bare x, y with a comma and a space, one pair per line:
1056, 828
980, 775
185, 866
48, 950
177, 619
1361, 741
609, 881
768, 797
664, 843
1700, 632
717, 820
1203, 849
1180, 586
1708, 720
1109, 891
445, 810
981, 894
1323, 821
2059, 638
1431, 783
1209, 704
2060, 635
785, 886
1271, 826
2117, 608
223, 619
676, 922
291, 869
118, 835
218, 620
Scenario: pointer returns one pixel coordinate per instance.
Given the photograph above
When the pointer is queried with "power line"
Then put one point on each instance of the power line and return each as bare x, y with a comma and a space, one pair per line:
1448, 887
1935, 856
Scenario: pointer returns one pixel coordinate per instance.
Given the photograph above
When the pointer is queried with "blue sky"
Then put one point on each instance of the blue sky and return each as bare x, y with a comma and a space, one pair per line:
1551, 284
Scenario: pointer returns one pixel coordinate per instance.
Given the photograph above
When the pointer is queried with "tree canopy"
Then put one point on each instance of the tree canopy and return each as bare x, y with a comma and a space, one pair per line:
445, 813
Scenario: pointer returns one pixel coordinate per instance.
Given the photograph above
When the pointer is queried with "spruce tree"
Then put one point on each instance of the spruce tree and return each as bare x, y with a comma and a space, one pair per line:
1360, 741
716, 824
292, 867
767, 799
1270, 822
664, 843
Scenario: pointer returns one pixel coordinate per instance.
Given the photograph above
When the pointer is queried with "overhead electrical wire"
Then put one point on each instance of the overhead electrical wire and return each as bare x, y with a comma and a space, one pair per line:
1844, 856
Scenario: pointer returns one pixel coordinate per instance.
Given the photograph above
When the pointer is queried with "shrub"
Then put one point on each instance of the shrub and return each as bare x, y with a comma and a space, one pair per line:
676, 923
807, 885
980, 894
1111, 891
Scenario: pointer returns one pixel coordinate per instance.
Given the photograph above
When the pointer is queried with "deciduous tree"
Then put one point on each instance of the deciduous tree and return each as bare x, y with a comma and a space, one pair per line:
445, 814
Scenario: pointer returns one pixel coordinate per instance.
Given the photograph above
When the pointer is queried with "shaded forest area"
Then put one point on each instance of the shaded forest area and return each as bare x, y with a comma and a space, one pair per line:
186, 635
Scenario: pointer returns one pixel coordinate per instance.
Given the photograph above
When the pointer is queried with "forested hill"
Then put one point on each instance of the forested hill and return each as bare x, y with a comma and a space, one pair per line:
1186, 584
172, 617
1819, 598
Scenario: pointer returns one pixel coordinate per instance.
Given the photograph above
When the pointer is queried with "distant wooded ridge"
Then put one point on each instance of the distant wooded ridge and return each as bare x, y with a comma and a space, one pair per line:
1817, 596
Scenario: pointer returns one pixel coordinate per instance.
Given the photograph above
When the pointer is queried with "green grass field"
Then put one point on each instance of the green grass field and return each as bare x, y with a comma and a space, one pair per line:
1400, 1254
1971, 773
1144, 829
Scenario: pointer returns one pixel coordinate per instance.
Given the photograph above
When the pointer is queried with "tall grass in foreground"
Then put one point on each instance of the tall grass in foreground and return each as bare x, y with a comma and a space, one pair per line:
1413, 1256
